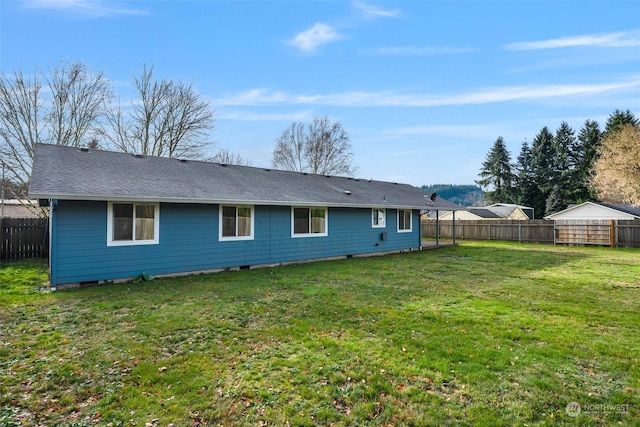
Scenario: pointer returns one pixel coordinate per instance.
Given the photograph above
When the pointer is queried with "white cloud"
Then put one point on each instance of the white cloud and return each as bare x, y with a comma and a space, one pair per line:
376, 12
619, 39
89, 8
253, 97
255, 116
449, 131
416, 50
319, 34
394, 99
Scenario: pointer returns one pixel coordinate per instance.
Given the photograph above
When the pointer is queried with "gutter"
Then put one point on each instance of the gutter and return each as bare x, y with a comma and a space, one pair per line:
102, 198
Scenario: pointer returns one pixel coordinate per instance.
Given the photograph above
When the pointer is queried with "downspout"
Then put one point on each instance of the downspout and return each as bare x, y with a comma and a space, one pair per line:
52, 229
419, 230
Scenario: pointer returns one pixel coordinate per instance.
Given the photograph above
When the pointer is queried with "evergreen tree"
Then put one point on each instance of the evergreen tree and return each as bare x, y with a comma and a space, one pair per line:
619, 118
464, 195
563, 169
496, 173
526, 190
590, 138
543, 154
556, 200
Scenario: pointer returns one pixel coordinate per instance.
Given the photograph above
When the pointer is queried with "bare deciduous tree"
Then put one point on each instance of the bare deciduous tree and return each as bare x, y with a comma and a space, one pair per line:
228, 157
289, 153
617, 170
320, 147
169, 120
66, 112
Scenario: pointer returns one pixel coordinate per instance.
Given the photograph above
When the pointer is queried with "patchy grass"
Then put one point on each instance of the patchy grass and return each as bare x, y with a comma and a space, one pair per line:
22, 281
479, 334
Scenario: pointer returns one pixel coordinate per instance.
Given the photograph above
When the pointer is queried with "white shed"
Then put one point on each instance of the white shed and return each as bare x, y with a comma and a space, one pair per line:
597, 211
595, 223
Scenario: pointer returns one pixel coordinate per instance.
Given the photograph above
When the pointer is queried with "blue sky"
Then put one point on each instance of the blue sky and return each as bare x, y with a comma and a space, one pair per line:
424, 88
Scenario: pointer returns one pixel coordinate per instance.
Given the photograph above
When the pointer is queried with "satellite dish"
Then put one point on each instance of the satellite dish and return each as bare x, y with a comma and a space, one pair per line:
433, 197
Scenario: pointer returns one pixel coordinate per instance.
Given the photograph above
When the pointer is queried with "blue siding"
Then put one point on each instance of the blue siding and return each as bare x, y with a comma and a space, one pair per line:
188, 241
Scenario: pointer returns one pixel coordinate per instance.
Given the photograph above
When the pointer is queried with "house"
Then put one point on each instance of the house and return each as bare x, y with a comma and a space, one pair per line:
494, 212
114, 216
513, 211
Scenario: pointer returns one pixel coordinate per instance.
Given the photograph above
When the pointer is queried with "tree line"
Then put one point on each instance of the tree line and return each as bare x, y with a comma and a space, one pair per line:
463, 195
73, 105
563, 168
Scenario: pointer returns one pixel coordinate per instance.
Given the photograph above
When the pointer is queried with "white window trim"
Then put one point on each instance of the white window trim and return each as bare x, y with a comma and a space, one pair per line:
384, 218
326, 222
156, 225
410, 229
236, 237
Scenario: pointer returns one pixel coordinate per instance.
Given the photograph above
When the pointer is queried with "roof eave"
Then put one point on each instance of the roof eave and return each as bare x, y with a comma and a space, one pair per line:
103, 198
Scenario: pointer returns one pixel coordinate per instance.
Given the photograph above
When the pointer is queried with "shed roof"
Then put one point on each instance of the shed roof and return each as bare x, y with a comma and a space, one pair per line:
624, 207
61, 172
14, 208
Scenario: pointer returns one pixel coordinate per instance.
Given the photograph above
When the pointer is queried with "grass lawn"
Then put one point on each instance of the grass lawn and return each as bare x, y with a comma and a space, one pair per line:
479, 334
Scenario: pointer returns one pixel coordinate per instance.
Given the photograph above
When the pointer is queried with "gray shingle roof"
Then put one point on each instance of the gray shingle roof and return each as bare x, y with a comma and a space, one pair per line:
484, 213
61, 172
623, 207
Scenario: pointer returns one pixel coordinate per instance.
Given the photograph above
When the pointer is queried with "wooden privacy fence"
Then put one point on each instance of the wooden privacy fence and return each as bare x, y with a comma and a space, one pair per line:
615, 233
22, 238
610, 233
628, 233
533, 231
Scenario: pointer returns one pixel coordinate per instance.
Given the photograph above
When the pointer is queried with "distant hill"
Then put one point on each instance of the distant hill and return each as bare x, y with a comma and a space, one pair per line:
464, 195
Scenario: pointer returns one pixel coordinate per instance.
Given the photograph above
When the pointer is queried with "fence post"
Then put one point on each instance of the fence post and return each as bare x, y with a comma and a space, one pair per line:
612, 233
519, 232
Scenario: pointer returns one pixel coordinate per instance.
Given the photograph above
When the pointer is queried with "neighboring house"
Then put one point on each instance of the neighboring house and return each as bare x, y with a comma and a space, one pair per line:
591, 211
514, 211
12, 208
115, 216
494, 212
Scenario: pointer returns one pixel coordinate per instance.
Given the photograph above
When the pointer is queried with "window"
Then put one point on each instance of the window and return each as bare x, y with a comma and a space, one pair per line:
404, 220
309, 222
132, 223
236, 222
378, 218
